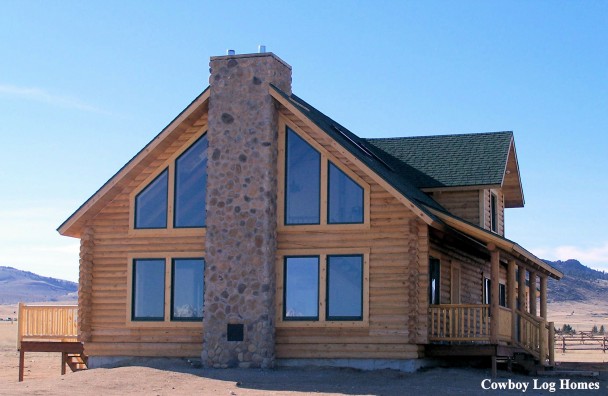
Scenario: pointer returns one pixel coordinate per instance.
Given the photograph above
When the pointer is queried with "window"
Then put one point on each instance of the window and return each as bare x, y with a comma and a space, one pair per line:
148, 289
187, 289
191, 185
345, 198
157, 206
493, 213
502, 295
151, 204
301, 301
434, 279
324, 288
487, 291
155, 280
303, 181
345, 287
317, 192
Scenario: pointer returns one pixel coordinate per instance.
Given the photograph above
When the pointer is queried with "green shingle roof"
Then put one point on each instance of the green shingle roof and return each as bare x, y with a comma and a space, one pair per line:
449, 160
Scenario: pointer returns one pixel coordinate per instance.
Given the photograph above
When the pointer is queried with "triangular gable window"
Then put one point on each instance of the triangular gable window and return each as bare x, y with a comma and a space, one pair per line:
183, 206
151, 203
345, 198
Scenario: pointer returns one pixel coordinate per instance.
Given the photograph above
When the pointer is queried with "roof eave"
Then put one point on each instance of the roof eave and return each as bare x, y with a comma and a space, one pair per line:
72, 225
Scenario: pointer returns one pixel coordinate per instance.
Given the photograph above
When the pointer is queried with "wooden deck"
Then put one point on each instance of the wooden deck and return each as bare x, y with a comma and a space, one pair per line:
50, 328
472, 330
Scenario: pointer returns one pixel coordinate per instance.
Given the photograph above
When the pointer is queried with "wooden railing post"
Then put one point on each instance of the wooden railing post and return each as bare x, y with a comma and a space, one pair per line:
542, 345
494, 276
551, 344
20, 326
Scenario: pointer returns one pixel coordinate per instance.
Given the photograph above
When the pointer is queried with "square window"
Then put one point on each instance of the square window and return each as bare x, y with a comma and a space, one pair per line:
148, 300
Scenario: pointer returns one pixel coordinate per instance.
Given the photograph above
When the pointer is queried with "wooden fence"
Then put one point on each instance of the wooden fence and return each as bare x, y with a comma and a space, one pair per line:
583, 341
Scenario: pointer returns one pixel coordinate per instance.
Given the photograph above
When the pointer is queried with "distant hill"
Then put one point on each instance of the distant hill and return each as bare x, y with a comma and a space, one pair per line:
23, 286
580, 283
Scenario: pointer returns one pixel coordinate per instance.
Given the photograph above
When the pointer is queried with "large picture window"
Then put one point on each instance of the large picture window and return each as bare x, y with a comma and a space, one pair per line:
303, 181
175, 198
166, 289
148, 289
191, 185
324, 287
317, 191
301, 288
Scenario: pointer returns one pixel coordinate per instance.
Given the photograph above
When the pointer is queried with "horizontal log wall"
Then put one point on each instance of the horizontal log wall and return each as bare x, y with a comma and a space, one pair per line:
398, 260
110, 332
464, 204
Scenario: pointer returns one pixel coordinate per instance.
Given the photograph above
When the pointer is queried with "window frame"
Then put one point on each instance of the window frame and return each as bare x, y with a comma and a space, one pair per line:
301, 318
172, 317
327, 280
285, 184
173, 216
326, 156
493, 212
157, 177
328, 200
133, 289
322, 320
169, 166
167, 256
436, 260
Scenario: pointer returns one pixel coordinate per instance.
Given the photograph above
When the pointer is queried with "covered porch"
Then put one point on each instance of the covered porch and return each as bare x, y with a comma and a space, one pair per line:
511, 315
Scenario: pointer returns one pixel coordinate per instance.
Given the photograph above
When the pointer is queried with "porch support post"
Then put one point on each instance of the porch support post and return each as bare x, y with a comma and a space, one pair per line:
543, 296
511, 299
521, 288
494, 295
532, 289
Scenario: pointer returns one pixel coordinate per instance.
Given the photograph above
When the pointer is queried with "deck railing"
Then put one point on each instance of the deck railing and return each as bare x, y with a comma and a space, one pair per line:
459, 322
47, 323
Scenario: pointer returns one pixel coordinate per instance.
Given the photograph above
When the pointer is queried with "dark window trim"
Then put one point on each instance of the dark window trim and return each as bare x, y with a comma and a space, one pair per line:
175, 183
180, 319
438, 283
329, 164
342, 318
502, 295
300, 318
166, 170
493, 212
133, 280
287, 129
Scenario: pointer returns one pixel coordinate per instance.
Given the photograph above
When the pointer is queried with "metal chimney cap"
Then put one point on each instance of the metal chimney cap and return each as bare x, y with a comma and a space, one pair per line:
230, 52
261, 49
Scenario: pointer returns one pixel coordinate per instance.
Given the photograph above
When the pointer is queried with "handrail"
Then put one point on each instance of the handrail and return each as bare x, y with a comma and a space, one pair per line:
47, 323
459, 322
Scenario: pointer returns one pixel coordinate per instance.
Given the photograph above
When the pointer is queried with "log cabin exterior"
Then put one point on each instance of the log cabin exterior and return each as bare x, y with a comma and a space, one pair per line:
255, 230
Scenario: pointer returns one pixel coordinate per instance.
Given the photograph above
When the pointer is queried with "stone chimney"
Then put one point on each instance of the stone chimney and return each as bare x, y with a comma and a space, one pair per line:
239, 310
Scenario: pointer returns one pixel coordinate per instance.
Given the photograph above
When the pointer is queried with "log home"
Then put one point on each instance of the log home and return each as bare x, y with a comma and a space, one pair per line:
254, 230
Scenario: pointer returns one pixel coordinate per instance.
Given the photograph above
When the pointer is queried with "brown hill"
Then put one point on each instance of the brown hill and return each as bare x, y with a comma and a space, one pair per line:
580, 283
23, 286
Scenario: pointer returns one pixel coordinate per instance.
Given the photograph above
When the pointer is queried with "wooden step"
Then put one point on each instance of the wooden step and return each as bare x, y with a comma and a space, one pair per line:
76, 361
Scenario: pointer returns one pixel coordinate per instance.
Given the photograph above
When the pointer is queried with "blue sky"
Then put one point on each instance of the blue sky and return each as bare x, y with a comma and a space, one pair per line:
85, 85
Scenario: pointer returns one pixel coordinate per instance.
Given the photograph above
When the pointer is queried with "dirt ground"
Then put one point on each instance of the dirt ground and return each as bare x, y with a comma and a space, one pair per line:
176, 377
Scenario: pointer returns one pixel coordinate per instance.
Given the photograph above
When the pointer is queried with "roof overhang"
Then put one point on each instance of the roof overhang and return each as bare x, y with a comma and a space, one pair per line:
74, 224
419, 210
511, 183
504, 244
